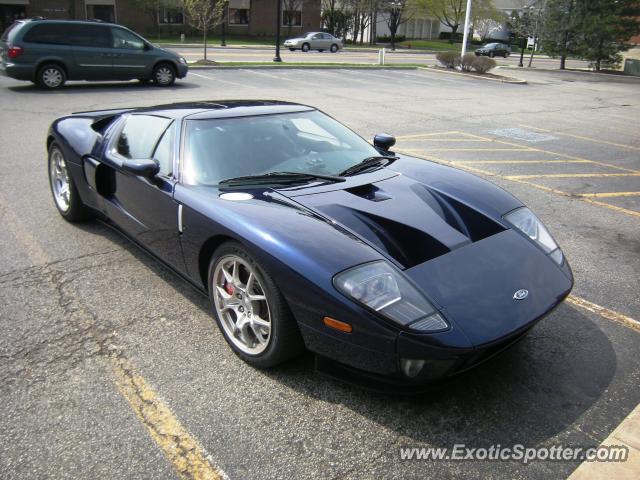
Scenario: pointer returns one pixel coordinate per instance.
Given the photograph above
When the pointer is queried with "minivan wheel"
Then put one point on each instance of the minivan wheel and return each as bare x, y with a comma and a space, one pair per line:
164, 75
305, 47
51, 76
334, 48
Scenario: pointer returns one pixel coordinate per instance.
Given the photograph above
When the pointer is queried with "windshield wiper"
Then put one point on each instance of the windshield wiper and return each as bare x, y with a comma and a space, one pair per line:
279, 178
368, 163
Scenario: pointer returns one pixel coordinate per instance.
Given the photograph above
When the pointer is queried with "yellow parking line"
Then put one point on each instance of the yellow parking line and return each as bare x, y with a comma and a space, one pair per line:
580, 137
179, 447
555, 154
488, 173
516, 162
456, 140
609, 194
479, 149
421, 135
571, 175
604, 312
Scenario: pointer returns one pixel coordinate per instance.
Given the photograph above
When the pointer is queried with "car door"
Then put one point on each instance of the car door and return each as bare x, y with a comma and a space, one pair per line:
316, 41
91, 46
144, 208
129, 54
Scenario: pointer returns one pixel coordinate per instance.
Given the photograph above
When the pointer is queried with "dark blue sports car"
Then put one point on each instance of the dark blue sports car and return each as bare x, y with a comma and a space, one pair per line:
306, 236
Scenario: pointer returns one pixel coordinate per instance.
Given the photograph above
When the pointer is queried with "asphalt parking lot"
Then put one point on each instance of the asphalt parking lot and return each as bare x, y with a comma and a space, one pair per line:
112, 367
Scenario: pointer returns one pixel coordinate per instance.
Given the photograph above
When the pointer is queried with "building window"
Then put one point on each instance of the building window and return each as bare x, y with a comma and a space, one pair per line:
170, 15
238, 16
239, 12
292, 13
104, 10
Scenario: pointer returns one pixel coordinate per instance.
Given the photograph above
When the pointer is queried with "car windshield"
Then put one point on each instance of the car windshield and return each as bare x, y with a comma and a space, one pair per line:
301, 142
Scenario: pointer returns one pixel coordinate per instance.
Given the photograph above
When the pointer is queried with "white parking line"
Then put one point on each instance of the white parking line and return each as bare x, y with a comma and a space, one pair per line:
215, 79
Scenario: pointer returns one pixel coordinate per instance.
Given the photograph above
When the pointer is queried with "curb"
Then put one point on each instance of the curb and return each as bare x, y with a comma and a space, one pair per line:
336, 66
627, 434
515, 81
574, 70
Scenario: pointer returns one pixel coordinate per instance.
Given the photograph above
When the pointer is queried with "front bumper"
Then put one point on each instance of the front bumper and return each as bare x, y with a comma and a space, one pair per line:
182, 70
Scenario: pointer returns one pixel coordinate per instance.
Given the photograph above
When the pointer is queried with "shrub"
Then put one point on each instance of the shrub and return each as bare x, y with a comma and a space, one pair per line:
387, 38
483, 64
450, 36
466, 64
448, 59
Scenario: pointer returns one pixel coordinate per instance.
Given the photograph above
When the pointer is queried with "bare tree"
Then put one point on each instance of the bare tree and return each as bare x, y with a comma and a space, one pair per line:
205, 15
289, 11
396, 13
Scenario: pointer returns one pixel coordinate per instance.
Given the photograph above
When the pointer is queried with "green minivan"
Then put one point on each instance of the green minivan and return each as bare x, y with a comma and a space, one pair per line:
50, 52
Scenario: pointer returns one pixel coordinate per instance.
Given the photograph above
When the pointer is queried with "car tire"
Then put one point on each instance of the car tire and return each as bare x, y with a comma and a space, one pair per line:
334, 48
506, 54
491, 54
51, 76
283, 341
306, 47
164, 75
64, 191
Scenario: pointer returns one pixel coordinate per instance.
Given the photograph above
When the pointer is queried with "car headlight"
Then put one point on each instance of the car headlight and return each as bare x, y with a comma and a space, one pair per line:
183, 60
524, 220
382, 288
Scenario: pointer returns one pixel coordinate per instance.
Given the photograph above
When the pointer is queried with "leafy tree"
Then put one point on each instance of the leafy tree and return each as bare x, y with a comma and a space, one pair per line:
562, 20
204, 15
337, 22
449, 12
605, 30
396, 13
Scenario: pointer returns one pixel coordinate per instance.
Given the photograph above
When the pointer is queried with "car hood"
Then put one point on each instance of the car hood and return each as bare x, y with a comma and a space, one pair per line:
465, 259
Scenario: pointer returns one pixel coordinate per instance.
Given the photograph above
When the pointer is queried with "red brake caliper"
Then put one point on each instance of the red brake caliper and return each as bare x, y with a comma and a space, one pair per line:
229, 288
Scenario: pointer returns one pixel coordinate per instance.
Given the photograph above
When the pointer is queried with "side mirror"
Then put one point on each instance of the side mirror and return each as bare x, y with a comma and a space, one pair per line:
143, 167
384, 141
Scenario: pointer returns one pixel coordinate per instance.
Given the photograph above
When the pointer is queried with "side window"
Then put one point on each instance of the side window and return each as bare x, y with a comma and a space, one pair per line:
54, 33
127, 40
140, 135
164, 151
89, 35
317, 36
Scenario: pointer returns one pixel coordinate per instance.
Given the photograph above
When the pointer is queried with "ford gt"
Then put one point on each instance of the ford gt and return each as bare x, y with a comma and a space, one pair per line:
306, 236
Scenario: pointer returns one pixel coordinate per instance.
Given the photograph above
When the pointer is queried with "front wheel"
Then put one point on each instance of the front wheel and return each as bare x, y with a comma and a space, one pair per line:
491, 54
334, 48
65, 194
306, 47
51, 77
506, 54
250, 309
164, 75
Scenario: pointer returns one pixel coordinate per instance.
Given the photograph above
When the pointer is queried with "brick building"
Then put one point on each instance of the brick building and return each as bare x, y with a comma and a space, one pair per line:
244, 17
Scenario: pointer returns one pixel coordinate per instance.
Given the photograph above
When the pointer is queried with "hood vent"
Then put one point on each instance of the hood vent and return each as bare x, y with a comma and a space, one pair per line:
369, 192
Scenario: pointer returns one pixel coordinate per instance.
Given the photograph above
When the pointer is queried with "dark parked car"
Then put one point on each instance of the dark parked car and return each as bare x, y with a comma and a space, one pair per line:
50, 52
494, 50
306, 236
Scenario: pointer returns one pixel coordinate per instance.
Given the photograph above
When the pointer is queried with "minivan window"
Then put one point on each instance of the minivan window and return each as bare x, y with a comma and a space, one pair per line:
54, 33
89, 35
124, 39
5, 35
140, 135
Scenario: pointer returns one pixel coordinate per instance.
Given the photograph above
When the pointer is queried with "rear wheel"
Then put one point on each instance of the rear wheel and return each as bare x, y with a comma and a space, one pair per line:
51, 76
65, 194
334, 48
163, 75
491, 54
306, 47
250, 309
506, 54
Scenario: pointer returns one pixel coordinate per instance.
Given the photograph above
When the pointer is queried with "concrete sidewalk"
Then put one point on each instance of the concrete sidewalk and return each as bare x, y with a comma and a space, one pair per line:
627, 434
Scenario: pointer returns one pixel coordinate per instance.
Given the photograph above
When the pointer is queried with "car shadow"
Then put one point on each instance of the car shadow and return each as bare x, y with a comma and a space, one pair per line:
94, 87
534, 391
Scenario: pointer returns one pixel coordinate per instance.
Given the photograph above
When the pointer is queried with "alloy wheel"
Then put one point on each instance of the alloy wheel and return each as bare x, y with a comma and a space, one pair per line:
241, 304
59, 179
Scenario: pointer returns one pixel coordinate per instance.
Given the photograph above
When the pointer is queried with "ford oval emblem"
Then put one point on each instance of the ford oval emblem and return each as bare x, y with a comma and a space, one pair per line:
521, 294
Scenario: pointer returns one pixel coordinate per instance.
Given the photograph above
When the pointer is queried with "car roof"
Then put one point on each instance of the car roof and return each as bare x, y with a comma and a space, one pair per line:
223, 109
37, 20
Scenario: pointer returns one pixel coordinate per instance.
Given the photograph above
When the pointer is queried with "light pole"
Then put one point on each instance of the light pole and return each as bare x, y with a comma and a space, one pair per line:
223, 41
465, 37
278, 21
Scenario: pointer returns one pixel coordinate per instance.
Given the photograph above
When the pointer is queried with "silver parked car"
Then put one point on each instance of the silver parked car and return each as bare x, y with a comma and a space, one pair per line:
314, 41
